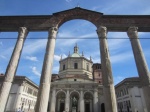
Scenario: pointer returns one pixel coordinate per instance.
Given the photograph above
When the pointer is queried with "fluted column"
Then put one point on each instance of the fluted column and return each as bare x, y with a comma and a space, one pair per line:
53, 101
12, 67
95, 100
141, 64
81, 101
45, 81
109, 91
67, 101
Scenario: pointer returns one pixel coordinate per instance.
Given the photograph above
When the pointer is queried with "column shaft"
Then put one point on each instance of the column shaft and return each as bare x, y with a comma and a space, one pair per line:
12, 68
81, 101
141, 64
109, 91
95, 101
67, 102
45, 81
53, 101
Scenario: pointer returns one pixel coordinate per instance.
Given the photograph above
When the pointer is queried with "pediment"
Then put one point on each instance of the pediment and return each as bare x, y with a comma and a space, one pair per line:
77, 10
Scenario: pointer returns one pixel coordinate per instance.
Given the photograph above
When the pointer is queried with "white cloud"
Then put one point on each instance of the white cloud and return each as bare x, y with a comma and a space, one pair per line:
71, 40
35, 46
68, 1
35, 71
57, 57
121, 57
1, 43
31, 58
124, 7
3, 57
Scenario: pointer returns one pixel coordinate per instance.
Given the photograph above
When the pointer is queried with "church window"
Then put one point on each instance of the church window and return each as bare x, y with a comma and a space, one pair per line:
64, 67
75, 65
87, 67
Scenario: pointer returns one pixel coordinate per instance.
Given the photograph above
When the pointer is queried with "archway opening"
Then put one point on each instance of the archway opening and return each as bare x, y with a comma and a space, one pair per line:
80, 32
74, 102
60, 102
88, 102
102, 107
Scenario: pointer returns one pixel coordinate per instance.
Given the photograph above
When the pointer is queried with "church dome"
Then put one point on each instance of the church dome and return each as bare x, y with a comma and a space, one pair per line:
75, 55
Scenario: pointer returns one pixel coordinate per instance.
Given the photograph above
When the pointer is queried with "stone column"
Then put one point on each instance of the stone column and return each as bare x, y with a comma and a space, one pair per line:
108, 86
81, 101
67, 101
95, 100
12, 68
45, 81
141, 64
53, 101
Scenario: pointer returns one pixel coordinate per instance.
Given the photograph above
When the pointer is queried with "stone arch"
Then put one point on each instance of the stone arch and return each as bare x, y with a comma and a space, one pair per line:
60, 101
60, 91
74, 101
88, 92
88, 101
75, 91
77, 13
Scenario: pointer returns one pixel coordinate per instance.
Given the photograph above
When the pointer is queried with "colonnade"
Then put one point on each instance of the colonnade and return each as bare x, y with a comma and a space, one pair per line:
68, 102
45, 81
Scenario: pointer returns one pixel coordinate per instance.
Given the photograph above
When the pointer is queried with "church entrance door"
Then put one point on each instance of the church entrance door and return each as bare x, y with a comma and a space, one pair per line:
62, 105
87, 107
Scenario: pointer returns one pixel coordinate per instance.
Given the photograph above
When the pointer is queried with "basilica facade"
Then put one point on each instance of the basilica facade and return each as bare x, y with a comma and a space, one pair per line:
78, 85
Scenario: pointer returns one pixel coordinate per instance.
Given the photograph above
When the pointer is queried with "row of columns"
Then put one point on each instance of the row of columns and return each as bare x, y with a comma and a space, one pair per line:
67, 101
45, 81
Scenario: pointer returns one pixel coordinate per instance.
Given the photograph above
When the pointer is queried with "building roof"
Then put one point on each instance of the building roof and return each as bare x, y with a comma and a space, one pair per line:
129, 81
76, 52
20, 78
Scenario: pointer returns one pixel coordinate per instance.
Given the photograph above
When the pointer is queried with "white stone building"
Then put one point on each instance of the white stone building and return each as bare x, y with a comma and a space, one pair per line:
129, 96
73, 89
22, 96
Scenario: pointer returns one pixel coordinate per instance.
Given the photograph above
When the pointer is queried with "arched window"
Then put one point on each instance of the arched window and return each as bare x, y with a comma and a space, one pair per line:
75, 65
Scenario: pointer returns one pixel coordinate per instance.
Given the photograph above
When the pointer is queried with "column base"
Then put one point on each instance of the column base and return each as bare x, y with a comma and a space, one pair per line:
110, 99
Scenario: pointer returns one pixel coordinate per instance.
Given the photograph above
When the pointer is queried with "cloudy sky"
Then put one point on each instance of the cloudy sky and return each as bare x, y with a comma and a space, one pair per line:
123, 64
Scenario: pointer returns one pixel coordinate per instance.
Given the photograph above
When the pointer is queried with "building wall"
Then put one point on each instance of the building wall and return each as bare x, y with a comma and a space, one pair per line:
75, 87
82, 66
23, 95
97, 73
129, 96
136, 99
28, 98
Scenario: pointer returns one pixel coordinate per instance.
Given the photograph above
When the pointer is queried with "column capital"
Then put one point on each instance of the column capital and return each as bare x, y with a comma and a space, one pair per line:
133, 32
95, 90
102, 32
23, 31
52, 32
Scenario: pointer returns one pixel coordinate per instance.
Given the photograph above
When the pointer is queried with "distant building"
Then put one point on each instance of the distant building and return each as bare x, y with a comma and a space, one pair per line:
73, 89
23, 94
129, 96
97, 72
